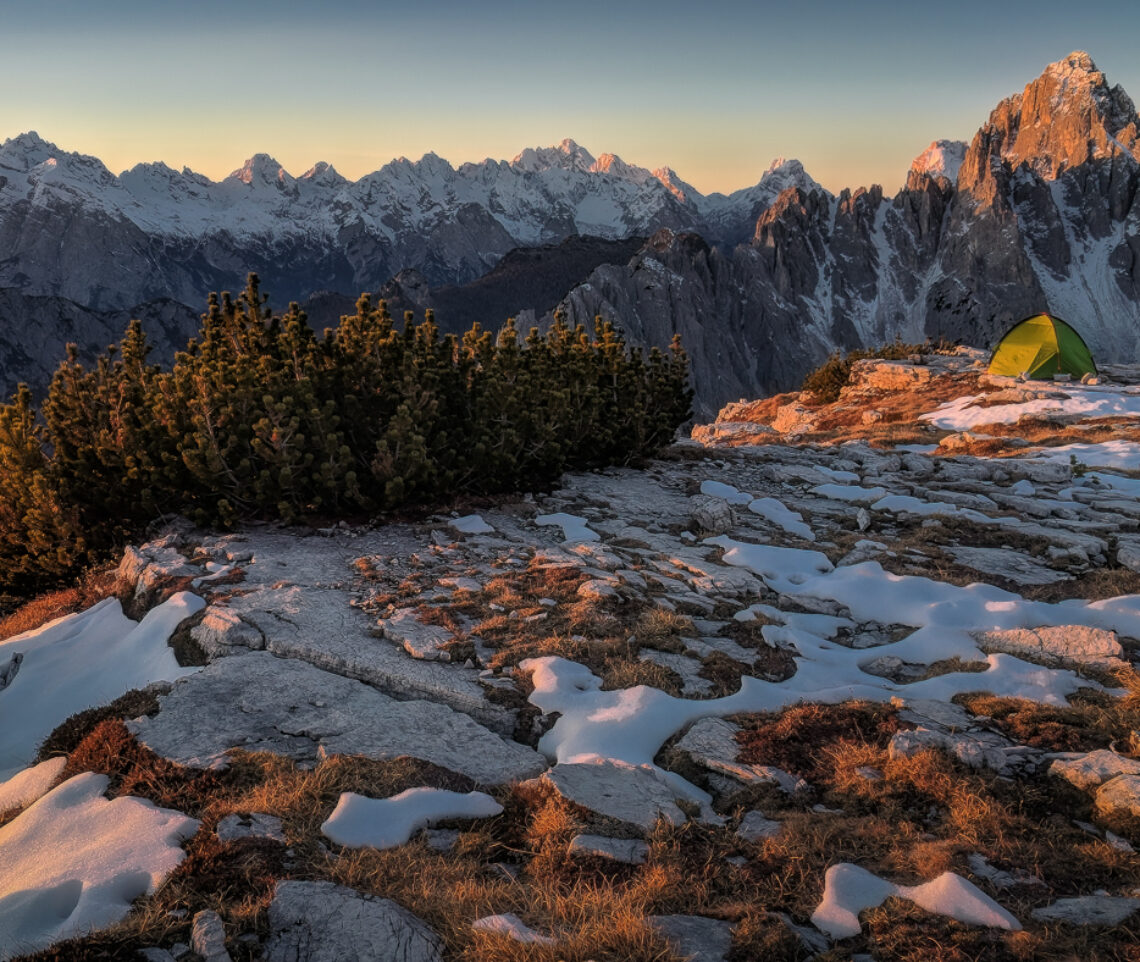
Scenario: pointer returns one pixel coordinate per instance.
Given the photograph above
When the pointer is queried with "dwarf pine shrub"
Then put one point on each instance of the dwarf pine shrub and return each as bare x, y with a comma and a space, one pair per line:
260, 418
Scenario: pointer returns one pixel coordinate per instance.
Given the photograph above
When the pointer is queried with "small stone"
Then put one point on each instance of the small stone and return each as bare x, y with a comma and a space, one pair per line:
694, 937
1088, 910
419, 640
1118, 843
863, 519
156, 955
631, 851
513, 927
255, 825
597, 590
754, 827
208, 937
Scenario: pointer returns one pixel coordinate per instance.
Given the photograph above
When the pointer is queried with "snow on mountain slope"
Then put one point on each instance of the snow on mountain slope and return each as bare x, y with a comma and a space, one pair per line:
71, 229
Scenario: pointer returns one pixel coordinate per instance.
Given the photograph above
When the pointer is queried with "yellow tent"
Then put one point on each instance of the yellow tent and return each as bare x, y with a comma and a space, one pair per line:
1039, 347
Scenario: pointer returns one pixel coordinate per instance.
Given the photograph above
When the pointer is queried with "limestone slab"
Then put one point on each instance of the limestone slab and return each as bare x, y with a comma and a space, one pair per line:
695, 938
1088, 770
259, 702
1088, 910
632, 851
632, 794
1056, 645
324, 922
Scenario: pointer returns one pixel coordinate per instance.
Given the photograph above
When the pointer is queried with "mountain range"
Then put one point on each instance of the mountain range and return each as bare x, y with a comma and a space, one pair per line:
1039, 211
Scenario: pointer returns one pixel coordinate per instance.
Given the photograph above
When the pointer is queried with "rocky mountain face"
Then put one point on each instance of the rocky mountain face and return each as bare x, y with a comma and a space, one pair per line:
1038, 212
57, 321
71, 230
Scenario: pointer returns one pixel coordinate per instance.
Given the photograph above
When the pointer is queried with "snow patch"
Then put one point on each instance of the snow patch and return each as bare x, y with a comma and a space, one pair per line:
359, 822
849, 889
103, 855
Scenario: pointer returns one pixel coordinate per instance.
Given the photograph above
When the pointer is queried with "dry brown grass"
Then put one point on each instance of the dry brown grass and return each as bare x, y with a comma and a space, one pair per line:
663, 630
1091, 720
92, 588
798, 738
625, 672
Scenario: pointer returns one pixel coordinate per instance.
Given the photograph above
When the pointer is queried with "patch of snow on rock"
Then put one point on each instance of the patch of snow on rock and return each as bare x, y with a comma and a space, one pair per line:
574, 528
81, 661
849, 889
510, 925
104, 854
359, 822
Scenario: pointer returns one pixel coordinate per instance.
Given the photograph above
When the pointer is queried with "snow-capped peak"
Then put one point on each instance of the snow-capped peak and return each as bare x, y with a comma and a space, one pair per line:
941, 159
684, 192
261, 169
567, 155
614, 166
782, 174
1077, 69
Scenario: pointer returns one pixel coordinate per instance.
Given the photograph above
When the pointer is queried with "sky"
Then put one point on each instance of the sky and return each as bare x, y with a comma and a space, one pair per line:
715, 89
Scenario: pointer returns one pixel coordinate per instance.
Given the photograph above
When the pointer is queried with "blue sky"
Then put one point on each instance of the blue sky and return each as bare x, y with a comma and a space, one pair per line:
714, 89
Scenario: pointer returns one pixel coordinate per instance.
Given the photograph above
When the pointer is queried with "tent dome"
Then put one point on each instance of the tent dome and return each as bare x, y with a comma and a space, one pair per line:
1039, 347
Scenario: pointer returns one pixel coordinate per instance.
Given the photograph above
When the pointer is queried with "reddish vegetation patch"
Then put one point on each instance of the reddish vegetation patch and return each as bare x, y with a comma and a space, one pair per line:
241, 870
55, 604
797, 739
1091, 721
135, 770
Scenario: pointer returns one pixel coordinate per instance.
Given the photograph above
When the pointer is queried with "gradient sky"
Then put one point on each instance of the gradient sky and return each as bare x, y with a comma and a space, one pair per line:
715, 89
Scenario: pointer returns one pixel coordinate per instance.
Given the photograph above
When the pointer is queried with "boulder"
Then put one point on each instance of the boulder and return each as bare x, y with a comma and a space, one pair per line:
222, 631
324, 922
873, 374
635, 795
795, 418
1092, 769
1120, 796
1128, 555
730, 432
694, 937
713, 515
1059, 645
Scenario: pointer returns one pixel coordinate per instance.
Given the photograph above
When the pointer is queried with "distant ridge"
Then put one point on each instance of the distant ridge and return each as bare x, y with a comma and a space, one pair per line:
1038, 212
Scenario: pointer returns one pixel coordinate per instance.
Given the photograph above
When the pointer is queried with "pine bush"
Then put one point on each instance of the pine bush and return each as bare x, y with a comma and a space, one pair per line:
260, 419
